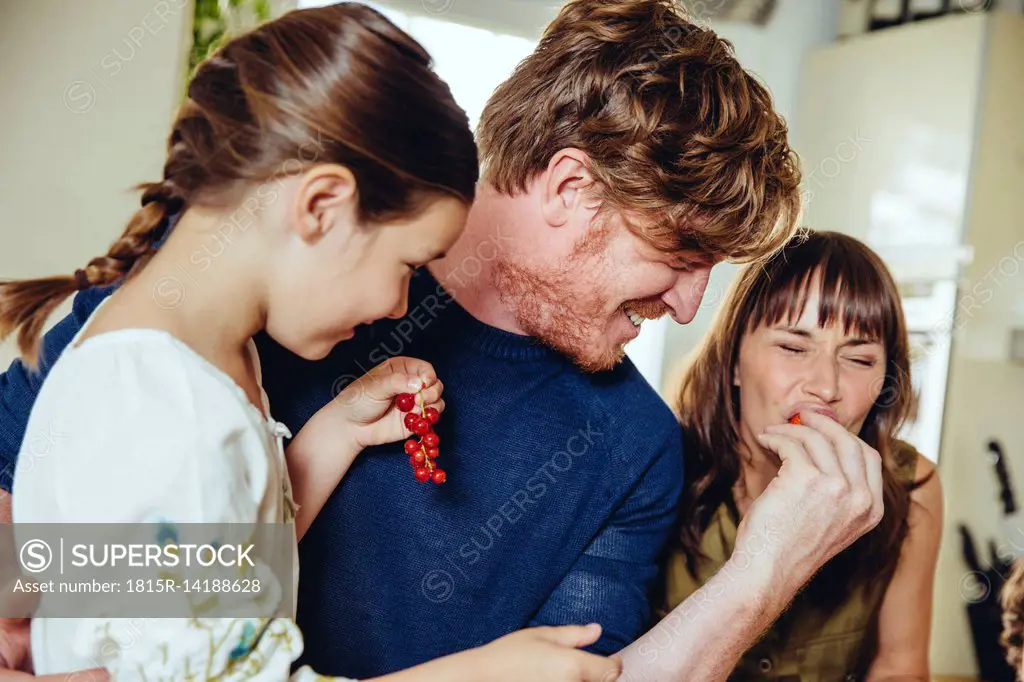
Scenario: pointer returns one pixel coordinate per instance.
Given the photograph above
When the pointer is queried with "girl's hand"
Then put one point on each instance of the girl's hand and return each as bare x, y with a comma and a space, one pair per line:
362, 415
368, 408
546, 654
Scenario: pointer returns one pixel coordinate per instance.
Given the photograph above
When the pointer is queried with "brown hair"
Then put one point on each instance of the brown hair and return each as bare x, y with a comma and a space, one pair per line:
856, 291
677, 133
342, 79
1011, 598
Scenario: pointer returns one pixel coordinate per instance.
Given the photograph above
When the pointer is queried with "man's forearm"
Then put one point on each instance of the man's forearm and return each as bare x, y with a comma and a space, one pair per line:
704, 637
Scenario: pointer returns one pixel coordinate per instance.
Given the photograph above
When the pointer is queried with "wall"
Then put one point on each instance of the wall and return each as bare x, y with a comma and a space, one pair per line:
90, 90
521, 18
986, 391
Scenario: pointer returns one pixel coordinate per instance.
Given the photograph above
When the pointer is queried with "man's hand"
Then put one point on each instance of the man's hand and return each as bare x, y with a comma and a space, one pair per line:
15, 645
827, 494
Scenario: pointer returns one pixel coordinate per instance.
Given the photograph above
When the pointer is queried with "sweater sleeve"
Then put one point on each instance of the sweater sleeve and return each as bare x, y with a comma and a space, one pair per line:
611, 582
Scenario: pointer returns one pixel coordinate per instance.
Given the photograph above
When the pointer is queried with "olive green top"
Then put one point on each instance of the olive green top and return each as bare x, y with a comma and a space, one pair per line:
805, 644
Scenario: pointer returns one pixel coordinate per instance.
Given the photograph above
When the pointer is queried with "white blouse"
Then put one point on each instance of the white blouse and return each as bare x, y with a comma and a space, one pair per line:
142, 429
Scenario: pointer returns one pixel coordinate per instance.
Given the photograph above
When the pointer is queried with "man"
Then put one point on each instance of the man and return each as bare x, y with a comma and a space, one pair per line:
624, 158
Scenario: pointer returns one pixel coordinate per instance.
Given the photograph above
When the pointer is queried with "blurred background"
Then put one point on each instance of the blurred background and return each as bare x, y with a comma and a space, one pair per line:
906, 115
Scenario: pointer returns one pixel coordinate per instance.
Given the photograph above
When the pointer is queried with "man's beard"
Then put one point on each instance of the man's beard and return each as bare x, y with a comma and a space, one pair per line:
543, 310
548, 307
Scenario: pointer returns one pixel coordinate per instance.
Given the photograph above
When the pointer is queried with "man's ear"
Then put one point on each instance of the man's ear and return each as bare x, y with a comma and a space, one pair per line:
326, 197
567, 186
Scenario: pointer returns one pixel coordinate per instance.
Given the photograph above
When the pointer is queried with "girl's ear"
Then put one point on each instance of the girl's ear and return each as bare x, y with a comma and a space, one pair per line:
327, 197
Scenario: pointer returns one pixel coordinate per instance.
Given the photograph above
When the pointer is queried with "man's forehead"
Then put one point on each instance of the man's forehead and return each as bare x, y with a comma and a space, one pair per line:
689, 255
697, 256
691, 258
680, 258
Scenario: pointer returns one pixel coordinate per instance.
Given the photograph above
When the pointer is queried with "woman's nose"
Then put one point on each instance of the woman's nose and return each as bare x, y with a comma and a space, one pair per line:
822, 379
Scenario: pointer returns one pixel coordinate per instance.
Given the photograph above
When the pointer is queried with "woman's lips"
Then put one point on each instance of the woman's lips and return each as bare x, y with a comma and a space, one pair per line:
820, 409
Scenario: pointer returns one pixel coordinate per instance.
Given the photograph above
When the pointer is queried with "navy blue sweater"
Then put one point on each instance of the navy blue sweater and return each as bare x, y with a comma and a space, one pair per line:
562, 489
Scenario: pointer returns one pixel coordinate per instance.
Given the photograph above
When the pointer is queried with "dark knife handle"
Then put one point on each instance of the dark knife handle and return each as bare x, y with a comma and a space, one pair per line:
969, 552
1003, 474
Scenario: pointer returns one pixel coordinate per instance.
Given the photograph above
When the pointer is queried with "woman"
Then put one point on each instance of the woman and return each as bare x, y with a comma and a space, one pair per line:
818, 328
317, 162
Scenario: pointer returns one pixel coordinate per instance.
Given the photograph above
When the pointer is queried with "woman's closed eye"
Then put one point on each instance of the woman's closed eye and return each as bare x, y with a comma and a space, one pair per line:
795, 350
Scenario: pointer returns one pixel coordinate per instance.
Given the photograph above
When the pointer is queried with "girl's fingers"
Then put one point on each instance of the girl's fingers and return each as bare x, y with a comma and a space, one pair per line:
431, 395
599, 668
569, 635
420, 372
91, 675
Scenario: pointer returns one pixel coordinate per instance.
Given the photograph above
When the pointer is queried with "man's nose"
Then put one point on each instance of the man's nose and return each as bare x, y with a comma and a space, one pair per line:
686, 294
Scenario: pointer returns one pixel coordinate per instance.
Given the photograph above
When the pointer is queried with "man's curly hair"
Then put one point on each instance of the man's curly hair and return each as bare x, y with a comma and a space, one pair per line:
680, 137
1012, 599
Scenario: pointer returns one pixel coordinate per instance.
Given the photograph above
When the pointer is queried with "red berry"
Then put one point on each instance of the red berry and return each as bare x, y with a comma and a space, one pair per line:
422, 474
439, 476
411, 419
421, 427
418, 457
405, 401
430, 439
432, 453
431, 415
795, 419
412, 461
411, 446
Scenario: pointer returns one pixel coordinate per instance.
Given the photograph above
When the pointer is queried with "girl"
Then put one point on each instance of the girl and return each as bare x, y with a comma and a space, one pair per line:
317, 162
817, 328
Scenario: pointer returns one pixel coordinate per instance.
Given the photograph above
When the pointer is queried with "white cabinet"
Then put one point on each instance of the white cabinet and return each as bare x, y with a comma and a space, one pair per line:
885, 130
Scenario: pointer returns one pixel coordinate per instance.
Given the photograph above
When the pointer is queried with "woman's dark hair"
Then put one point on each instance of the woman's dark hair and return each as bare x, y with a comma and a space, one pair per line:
857, 292
337, 84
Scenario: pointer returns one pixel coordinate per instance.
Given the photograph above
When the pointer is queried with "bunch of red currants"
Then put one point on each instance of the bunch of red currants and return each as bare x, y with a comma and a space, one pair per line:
424, 451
